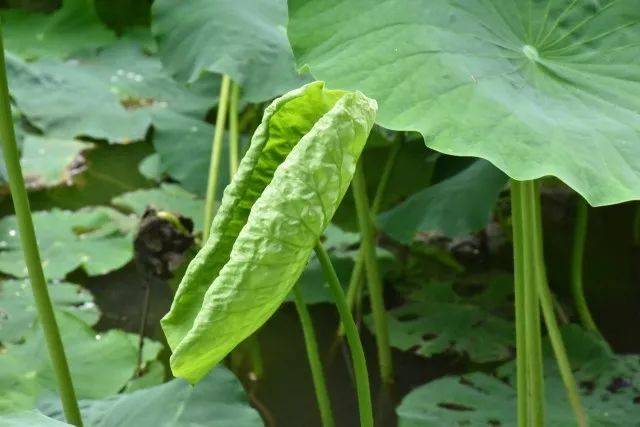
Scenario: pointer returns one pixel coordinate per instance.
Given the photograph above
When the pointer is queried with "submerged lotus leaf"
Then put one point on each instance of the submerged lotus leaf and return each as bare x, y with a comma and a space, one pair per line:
18, 312
537, 88
100, 364
437, 319
609, 385
73, 27
218, 400
242, 38
96, 239
299, 165
47, 162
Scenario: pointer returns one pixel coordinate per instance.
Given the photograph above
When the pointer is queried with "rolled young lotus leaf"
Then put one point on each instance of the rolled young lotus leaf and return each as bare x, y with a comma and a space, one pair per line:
299, 165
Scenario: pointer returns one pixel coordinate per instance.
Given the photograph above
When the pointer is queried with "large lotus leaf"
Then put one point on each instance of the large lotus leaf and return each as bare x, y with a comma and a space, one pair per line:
537, 88
609, 387
31, 418
217, 401
73, 27
454, 207
47, 162
66, 100
299, 165
242, 38
168, 197
438, 319
111, 95
184, 146
139, 80
18, 312
96, 239
101, 364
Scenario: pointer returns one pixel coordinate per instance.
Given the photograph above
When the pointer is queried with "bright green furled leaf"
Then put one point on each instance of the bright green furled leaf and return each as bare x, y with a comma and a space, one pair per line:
454, 207
31, 418
537, 88
242, 38
47, 162
73, 27
217, 401
608, 385
96, 239
439, 320
18, 312
299, 165
169, 197
101, 365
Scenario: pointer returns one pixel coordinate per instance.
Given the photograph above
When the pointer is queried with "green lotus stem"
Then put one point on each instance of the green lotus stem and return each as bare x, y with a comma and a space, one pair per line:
356, 280
374, 280
518, 262
353, 338
311, 344
577, 263
32, 255
216, 152
532, 333
234, 135
548, 312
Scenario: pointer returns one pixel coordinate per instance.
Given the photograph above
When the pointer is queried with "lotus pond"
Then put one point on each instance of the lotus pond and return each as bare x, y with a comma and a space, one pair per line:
237, 213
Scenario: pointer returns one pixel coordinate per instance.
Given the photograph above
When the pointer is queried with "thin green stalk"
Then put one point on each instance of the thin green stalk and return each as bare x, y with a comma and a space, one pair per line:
32, 255
374, 279
234, 135
356, 280
577, 264
216, 152
311, 344
546, 302
535, 383
353, 338
518, 268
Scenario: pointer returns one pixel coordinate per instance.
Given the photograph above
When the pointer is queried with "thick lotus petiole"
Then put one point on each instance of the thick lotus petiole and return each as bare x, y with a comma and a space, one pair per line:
315, 364
356, 280
577, 263
32, 254
532, 291
519, 283
216, 153
353, 338
530, 302
374, 279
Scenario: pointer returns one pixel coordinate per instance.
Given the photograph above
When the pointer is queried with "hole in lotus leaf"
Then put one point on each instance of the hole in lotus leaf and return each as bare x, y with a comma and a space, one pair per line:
617, 384
455, 406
